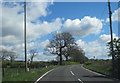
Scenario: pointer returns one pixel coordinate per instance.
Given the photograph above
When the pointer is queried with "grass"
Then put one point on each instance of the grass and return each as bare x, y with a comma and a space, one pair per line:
103, 67
32, 75
15, 74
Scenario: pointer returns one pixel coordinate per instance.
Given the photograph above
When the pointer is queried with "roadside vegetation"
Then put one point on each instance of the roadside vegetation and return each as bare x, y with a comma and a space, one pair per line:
101, 66
108, 67
15, 71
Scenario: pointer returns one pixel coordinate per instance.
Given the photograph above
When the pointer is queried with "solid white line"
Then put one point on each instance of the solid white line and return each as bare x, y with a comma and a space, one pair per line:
43, 75
80, 80
72, 73
92, 71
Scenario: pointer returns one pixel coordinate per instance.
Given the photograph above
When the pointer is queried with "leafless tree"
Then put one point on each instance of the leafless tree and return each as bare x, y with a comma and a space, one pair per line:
8, 54
33, 53
3, 53
60, 41
12, 55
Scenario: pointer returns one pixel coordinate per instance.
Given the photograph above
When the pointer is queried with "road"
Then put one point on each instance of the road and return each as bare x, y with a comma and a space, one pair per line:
74, 74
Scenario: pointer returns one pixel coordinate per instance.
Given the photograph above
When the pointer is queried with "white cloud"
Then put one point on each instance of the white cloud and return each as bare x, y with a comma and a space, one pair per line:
97, 48
106, 38
8, 48
19, 48
94, 48
38, 45
10, 39
81, 43
36, 9
115, 15
44, 44
42, 57
107, 20
83, 27
13, 22
42, 28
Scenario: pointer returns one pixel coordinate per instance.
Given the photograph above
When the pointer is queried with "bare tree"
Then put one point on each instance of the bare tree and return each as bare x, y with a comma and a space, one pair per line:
33, 53
12, 55
8, 54
60, 41
3, 54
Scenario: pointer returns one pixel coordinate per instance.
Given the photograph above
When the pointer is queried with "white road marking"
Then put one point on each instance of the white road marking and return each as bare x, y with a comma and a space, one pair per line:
72, 73
92, 71
80, 80
43, 75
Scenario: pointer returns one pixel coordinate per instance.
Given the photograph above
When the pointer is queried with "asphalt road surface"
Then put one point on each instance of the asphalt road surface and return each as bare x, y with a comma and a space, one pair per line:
74, 74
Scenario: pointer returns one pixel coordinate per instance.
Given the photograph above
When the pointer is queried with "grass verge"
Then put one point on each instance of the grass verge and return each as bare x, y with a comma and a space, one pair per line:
99, 66
19, 74
32, 75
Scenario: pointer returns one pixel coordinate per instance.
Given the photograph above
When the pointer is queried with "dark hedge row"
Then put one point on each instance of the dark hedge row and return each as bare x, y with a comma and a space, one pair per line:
21, 64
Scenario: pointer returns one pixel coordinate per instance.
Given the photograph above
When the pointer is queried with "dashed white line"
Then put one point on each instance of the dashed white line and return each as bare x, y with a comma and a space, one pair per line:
43, 75
72, 73
80, 80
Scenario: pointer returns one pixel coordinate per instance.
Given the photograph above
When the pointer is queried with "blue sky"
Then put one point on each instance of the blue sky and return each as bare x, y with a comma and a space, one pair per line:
86, 21
77, 10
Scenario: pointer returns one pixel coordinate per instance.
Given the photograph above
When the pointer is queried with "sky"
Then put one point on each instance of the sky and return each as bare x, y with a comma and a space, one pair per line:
88, 22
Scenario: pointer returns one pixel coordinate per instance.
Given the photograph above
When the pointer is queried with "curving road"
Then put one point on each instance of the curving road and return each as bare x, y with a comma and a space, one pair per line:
73, 74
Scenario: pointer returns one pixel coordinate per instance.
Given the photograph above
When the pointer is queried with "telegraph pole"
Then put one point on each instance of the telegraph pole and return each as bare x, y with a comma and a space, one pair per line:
25, 36
113, 68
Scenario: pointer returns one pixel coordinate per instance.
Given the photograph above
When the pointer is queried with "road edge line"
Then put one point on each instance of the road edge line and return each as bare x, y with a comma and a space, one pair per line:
43, 75
92, 71
99, 73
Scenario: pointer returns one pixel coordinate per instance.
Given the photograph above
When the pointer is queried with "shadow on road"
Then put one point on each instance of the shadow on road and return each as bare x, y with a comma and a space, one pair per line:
94, 76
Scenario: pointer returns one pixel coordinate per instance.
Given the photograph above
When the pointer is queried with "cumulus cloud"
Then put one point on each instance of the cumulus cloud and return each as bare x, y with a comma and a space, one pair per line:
83, 27
81, 43
106, 38
13, 27
36, 9
38, 45
115, 15
96, 48
13, 22
42, 57
42, 28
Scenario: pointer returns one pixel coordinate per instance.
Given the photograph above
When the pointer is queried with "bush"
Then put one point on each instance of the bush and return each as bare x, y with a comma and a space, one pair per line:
17, 65
38, 64
87, 63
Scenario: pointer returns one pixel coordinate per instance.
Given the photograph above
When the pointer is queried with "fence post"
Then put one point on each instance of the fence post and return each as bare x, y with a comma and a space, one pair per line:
3, 72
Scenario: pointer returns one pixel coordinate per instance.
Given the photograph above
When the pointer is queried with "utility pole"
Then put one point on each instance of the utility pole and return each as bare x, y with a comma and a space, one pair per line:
113, 67
25, 36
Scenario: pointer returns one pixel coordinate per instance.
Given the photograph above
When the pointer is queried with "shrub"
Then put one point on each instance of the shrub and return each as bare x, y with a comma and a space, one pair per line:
88, 63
